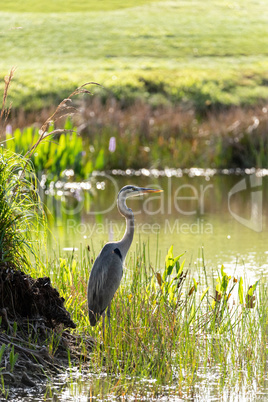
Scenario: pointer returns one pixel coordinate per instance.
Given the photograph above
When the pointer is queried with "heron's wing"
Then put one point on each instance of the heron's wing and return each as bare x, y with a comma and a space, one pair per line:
104, 280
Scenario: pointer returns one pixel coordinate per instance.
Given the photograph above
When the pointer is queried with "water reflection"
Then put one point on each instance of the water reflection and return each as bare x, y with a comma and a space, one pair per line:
84, 386
192, 212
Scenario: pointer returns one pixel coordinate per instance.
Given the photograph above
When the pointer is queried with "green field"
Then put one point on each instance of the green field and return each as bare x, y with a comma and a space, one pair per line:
180, 51
52, 6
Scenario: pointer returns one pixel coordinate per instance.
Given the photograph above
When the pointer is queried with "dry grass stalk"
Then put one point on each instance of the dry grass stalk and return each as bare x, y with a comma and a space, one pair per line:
62, 110
5, 112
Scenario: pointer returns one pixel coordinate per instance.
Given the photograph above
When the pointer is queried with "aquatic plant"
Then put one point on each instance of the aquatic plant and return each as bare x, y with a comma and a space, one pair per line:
55, 156
107, 146
168, 327
63, 157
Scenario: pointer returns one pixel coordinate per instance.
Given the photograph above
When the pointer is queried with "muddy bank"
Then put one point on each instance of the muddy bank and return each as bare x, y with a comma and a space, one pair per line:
35, 336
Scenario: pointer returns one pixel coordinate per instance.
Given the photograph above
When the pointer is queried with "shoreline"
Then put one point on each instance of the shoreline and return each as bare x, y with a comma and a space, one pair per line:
141, 136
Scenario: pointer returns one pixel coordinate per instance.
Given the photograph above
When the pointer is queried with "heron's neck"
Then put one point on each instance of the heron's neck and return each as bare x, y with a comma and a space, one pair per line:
126, 241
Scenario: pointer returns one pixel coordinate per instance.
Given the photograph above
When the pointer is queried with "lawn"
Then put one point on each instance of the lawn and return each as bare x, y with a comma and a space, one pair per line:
52, 6
181, 51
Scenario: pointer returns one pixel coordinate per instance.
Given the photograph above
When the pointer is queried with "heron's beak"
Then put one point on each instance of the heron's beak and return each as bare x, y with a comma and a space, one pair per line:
149, 190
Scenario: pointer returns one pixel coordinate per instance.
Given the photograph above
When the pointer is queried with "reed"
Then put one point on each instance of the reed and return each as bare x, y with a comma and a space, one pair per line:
170, 329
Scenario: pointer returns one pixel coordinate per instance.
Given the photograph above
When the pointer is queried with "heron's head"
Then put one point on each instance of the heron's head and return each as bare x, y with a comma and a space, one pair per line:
131, 191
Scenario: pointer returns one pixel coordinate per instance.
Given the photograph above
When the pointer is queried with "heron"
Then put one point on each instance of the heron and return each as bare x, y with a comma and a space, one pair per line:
107, 270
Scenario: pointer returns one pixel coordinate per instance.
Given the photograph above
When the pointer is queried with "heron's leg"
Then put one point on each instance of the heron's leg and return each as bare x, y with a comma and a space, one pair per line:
109, 315
103, 324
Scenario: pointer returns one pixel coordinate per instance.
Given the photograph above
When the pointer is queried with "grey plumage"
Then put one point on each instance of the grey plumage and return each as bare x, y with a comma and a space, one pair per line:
107, 270
104, 280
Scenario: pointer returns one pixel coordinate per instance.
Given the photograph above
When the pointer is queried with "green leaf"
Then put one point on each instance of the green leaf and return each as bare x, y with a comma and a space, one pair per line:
195, 284
192, 314
99, 164
180, 269
73, 264
204, 293
241, 291
224, 280
171, 292
3, 347
169, 256
176, 261
254, 286
169, 262
218, 288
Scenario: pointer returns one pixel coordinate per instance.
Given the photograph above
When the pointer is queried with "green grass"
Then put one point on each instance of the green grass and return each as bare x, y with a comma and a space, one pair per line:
173, 330
199, 52
21, 211
52, 6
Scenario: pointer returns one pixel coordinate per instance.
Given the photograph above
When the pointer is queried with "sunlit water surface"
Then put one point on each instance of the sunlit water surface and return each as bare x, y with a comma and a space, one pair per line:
222, 216
88, 387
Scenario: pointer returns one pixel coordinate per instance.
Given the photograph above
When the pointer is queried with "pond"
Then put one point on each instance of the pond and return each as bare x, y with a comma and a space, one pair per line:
223, 216
200, 212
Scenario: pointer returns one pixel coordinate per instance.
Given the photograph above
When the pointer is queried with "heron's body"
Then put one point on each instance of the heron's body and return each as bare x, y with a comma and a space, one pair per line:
104, 281
107, 270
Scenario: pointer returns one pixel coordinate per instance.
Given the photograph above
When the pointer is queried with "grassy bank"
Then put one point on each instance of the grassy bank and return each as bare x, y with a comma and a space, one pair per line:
197, 53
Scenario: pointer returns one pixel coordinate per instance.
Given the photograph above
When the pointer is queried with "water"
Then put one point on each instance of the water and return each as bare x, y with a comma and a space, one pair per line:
225, 215
88, 387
